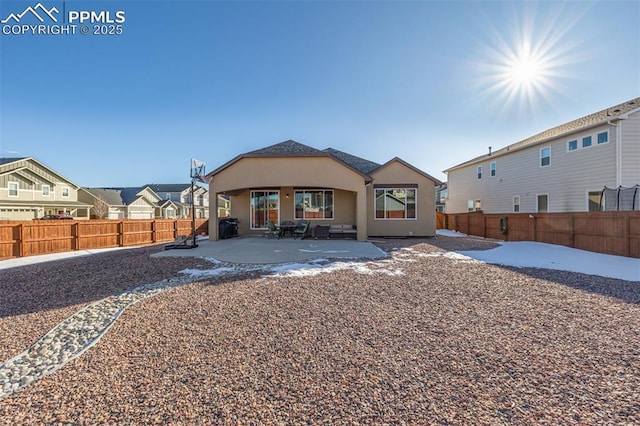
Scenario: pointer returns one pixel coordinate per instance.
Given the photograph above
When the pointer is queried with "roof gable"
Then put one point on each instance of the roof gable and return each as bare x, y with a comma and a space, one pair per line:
41, 171
285, 148
409, 166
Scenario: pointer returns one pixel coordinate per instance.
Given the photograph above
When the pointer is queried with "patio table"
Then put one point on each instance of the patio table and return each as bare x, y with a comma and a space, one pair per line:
287, 226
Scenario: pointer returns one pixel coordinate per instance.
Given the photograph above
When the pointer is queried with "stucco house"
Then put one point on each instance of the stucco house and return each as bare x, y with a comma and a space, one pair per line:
292, 181
180, 195
30, 190
563, 169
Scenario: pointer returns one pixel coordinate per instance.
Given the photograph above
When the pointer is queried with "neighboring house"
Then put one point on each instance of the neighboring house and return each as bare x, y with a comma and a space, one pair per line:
441, 197
180, 195
30, 190
127, 203
292, 181
562, 169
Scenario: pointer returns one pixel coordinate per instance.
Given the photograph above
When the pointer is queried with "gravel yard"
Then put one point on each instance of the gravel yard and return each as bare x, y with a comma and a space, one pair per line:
423, 337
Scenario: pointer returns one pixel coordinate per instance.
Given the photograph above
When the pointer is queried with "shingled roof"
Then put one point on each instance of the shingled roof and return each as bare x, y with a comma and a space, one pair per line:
360, 164
615, 112
291, 148
285, 148
168, 187
110, 196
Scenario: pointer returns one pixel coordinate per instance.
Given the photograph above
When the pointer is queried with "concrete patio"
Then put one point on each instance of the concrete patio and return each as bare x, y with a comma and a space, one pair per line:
262, 250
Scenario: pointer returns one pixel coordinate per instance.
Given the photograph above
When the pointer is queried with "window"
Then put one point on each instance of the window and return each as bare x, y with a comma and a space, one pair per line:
586, 141
314, 204
13, 189
492, 169
572, 145
477, 205
603, 137
479, 171
545, 156
65, 191
542, 203
470, 205
171, 212
516, 204
265, 206
395, 203
593, 201
167, 196
46, 189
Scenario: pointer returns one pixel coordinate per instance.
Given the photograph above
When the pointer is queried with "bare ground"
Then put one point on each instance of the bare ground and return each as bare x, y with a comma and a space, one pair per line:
447, 342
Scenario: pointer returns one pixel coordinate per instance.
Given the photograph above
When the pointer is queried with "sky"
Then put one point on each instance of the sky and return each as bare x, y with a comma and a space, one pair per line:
434, 83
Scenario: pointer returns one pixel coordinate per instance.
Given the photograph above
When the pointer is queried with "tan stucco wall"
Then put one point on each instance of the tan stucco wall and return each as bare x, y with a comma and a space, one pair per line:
286, 175
398, 174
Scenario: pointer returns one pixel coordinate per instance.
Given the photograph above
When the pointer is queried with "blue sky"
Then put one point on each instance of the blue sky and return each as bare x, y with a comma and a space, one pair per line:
434, 83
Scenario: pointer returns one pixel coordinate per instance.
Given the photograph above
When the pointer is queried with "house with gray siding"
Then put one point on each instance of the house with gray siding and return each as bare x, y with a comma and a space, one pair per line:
563, 169
180, 195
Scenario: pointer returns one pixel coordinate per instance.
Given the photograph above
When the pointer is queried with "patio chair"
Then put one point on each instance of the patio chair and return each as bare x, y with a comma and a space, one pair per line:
272, 230
301, 229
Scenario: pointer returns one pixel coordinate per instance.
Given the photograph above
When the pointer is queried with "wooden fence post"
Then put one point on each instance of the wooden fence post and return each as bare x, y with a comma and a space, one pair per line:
153, 231
120, 234
75, 229
572, 233
21, 240
626, 234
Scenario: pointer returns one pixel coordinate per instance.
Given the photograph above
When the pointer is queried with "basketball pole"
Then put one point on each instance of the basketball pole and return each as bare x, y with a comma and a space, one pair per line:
193, 212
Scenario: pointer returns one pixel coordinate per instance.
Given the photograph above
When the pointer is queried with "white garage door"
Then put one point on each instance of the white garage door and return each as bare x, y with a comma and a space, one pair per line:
141, 215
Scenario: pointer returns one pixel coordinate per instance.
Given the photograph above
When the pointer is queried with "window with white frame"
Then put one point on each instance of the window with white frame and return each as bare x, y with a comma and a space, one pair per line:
477, 204
314, 204
479, 172
65, 191
395, 203
542, 203
545, 156
470, 205
602, 137
516, 203
46, 190
265, 206
492, 169
13, 189
586, 141
572, 145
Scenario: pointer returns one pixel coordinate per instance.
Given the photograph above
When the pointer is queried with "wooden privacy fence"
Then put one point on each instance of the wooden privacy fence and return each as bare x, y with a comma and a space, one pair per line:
603, 232
29, 238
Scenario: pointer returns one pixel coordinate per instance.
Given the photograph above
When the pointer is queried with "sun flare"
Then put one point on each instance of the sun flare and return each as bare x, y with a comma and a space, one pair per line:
525, 64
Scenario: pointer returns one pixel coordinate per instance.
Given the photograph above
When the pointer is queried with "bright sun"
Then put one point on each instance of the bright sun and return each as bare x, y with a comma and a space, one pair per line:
525, 65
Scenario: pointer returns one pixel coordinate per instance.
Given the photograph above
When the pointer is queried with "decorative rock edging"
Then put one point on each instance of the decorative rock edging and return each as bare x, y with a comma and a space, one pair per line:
73, 336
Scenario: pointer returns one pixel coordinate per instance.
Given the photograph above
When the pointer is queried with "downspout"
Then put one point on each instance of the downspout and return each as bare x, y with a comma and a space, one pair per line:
618, 127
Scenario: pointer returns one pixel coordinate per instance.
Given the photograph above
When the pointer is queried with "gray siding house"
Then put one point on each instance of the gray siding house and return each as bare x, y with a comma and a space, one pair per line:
563, 169
180, 195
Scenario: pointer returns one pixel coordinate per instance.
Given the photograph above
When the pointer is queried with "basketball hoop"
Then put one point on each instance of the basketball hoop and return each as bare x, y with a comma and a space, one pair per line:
197, 169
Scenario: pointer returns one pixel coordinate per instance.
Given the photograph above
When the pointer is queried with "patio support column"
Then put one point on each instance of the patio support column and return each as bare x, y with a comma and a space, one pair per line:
361, 213
213, 213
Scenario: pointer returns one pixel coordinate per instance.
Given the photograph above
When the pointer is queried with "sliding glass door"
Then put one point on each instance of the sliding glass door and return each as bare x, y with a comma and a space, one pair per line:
265, 206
